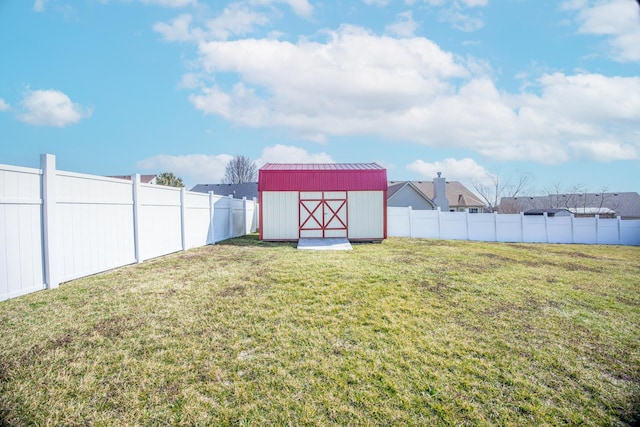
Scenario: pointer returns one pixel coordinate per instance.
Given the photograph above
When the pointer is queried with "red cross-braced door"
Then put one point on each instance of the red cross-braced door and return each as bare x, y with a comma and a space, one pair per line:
323, 214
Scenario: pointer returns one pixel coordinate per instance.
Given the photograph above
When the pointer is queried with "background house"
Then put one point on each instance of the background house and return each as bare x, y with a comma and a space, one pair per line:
422, 195
238, 191
625, 205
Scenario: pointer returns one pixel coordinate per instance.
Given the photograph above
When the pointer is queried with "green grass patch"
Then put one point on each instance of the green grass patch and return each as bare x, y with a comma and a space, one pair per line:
407, 332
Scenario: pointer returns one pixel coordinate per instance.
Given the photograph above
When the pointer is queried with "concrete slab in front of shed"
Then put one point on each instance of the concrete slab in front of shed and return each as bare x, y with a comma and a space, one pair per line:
326, 244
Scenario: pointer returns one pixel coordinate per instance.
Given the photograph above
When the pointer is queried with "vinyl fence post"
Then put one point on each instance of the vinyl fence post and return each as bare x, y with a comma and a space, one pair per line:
244, 215
410, 212
495, 226
212, 210
546, 226
183, 218
466, 218
573, 238
439, 223
597, 228
48, 165
619, 230
136, 217
254, 223
230, 204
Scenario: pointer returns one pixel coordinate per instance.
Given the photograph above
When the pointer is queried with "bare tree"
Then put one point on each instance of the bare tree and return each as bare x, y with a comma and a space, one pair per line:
239, 170
499, 187
168, 178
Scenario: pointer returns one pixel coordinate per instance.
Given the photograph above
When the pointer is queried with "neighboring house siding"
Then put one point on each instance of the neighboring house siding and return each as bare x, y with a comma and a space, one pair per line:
408, 196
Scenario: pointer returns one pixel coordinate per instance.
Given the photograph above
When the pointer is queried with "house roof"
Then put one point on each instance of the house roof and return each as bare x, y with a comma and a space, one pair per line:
625, 204
457, 194
247, 189
145, 179
396, 187
322, 177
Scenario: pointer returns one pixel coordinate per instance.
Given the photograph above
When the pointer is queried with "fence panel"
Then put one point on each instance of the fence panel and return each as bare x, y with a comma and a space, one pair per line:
160, 220
509, 228
21, 251
221, 218
398, 222
584, 231
608, 231
57, 226
534, 229
197, 221
559, 229
238, 218
482, 227
405, 222
425, 224
453, 225
94, 224
630, 232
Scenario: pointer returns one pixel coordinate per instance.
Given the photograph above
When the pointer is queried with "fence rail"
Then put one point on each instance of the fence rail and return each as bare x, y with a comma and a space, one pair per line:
57, 226
406, 222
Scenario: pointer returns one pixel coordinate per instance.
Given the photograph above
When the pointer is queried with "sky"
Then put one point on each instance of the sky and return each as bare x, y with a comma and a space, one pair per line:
469, 88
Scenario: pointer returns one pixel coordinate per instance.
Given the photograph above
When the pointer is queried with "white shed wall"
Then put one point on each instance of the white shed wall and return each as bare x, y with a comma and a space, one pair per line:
366, 214
280, 215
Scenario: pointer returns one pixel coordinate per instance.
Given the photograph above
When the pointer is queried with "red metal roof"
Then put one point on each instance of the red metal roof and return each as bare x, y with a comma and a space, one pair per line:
322, 177
322, 166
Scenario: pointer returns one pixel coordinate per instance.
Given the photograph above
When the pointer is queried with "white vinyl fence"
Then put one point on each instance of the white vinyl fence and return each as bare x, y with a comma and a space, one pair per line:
57, 226
406, 222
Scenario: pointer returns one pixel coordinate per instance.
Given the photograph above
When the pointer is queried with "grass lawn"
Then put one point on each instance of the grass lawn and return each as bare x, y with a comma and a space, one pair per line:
407, 332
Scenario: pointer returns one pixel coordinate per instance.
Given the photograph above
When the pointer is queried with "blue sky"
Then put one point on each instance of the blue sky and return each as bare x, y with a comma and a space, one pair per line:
467, 87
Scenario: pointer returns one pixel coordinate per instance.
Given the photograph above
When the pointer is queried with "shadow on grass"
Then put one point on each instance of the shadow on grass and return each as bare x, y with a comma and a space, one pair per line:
253, 240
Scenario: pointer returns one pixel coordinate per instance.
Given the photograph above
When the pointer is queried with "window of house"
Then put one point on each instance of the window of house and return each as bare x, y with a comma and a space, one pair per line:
473, 210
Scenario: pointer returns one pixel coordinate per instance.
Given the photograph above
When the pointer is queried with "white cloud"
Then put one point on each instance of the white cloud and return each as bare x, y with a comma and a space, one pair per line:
3, 105
170, 3
456, 12
455, 170
236, 19
38, 5
606, 151
379, 3
616, 19
475, 3
456, 3
461, 21
574, 4
300, 7
50, 108
404, 26
178, 30
192, 168
290, 154
356, 83
190, 81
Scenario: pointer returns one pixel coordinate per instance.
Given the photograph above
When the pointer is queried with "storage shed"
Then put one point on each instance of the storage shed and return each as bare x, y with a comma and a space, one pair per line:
323, 200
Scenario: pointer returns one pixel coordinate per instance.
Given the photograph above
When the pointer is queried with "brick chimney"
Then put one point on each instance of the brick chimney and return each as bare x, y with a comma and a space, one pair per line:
440, 193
